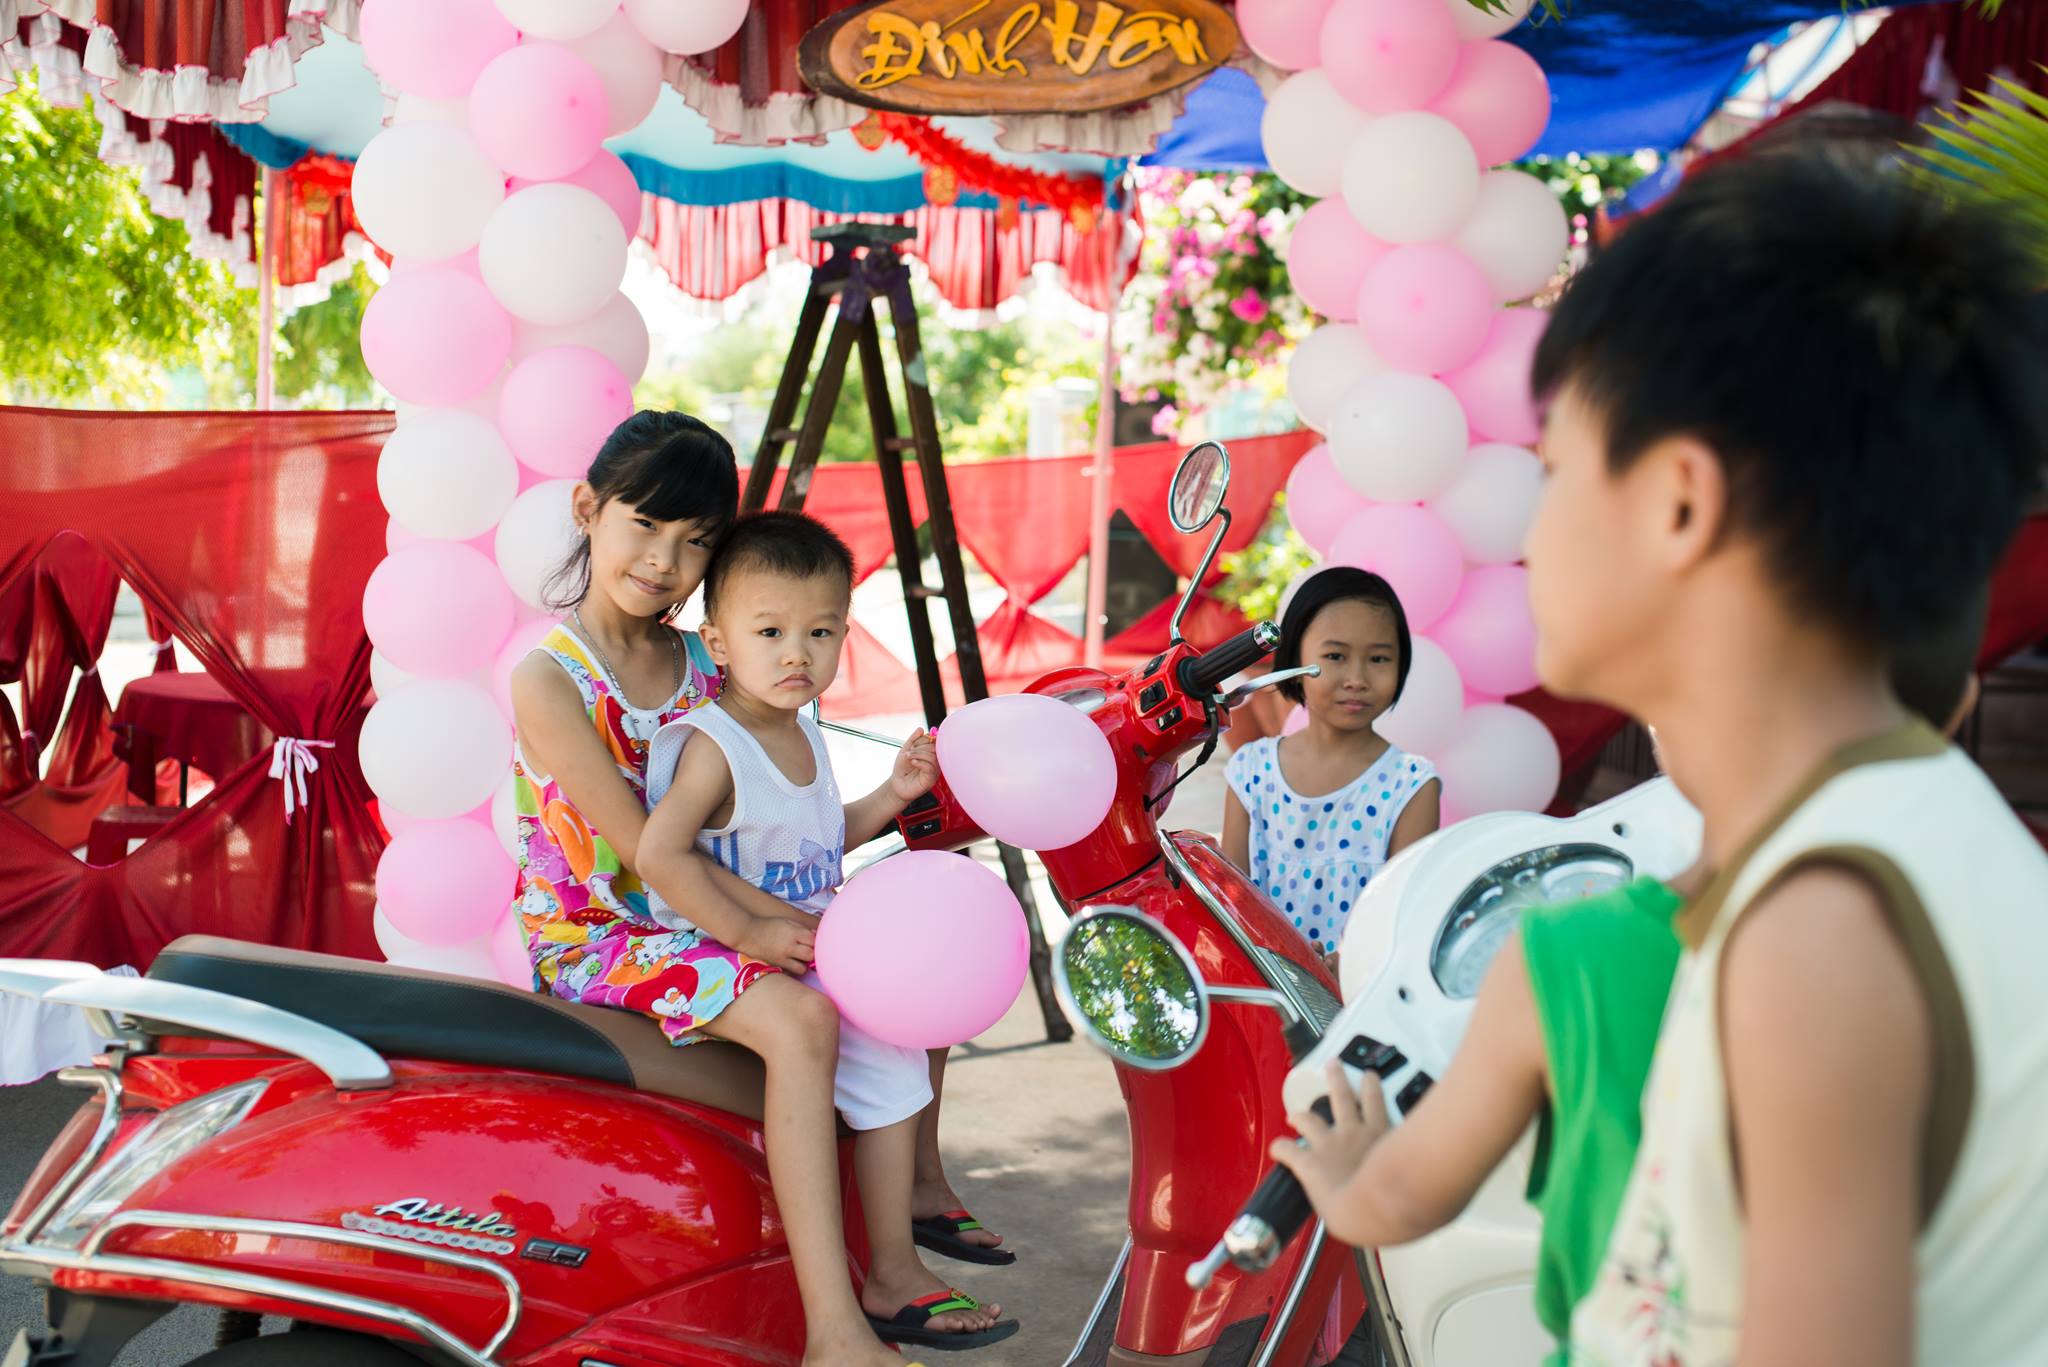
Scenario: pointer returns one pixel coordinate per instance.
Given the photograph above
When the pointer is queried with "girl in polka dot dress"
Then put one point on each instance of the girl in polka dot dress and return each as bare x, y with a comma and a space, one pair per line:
1314, 815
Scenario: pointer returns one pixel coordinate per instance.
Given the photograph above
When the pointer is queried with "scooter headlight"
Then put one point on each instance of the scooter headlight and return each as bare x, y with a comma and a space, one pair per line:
1493, 905
157, 1145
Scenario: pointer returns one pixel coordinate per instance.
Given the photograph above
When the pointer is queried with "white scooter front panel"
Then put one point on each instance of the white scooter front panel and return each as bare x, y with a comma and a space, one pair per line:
1413, 955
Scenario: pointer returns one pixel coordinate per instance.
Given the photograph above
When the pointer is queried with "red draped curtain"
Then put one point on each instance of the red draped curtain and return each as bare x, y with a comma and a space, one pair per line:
250, 536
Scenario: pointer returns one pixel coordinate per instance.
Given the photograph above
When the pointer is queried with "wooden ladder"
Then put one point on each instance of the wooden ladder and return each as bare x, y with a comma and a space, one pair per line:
863, 271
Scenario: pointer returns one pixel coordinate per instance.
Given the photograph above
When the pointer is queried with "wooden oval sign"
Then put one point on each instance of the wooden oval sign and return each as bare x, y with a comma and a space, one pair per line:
1014, 56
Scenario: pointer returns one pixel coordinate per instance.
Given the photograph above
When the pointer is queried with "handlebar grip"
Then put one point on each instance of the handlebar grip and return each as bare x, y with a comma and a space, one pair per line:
1200, 674
1277, 1210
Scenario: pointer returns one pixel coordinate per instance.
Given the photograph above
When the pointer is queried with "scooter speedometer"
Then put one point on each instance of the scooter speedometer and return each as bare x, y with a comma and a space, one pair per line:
1480, 920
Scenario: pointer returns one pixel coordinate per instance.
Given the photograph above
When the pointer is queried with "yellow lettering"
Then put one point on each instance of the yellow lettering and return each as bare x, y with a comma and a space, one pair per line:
1139, 39
935, 48
896, 54
968, 50
1185, 38
1065, 22
1014, 31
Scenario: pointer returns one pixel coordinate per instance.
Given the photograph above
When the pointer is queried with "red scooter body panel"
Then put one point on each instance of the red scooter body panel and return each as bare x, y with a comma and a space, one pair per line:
670, 1201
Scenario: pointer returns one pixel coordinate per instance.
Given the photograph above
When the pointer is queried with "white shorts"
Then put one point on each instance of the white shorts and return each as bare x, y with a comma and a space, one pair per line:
876, 1084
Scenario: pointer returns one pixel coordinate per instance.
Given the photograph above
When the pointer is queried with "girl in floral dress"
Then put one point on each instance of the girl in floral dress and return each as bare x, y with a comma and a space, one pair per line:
586, 703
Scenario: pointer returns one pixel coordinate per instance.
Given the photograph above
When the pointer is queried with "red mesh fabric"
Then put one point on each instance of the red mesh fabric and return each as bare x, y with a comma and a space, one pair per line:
251, 536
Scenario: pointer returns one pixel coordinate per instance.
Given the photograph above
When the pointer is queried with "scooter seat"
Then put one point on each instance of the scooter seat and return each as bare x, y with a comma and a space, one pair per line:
412, 1013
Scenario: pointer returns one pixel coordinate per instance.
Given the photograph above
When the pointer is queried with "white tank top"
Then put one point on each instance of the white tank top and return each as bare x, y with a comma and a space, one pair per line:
1967, 887
786, 839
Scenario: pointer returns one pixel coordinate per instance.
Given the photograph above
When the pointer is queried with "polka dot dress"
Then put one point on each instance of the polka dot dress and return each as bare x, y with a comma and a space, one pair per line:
1314, 855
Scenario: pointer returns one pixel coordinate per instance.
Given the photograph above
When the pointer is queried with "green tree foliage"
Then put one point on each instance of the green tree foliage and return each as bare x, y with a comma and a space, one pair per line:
1993, 152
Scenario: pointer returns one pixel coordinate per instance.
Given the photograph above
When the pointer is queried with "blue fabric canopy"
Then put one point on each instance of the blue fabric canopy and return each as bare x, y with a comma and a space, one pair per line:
1625, 75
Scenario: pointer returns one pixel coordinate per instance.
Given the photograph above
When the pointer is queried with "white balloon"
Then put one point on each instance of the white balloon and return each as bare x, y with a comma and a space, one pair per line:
1411, 177
535, 536
616, 331
470, 959
426, 190
1500, 760
387, 678
1306, 129
1517, 234
1399, 438
435, 748
555, 20
553, 254
446, 475
1475, 23
505, 814
630, 68
1492, 502
421, 109
1424, 721
687, 28
395, 943
484, 405
1326, 365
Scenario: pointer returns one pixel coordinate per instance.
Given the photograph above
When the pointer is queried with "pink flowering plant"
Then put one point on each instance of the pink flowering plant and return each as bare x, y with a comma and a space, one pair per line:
1211, 308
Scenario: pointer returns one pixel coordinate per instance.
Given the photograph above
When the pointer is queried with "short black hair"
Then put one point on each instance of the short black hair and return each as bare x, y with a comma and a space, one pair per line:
1865, 359
1340, 584
789, 544
1931, 671
669, 466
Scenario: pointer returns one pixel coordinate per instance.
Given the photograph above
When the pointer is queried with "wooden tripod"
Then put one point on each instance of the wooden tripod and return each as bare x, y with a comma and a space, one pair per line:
864, 270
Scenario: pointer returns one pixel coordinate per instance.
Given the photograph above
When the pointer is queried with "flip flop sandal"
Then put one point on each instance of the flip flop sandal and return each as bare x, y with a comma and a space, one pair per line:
941, 1234
908, 1324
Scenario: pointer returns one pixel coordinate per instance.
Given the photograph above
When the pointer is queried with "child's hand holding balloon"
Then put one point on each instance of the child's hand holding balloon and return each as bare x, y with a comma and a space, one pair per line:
917, 767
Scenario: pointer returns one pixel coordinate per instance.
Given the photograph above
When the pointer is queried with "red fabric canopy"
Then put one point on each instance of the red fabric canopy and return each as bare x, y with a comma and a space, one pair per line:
252, 536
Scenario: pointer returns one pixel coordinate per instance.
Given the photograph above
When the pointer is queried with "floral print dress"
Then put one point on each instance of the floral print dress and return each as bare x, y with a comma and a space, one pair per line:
588, 927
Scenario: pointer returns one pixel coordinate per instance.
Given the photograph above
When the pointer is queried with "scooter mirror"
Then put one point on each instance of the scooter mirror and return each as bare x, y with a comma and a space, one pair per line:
1199, 484
1132, 989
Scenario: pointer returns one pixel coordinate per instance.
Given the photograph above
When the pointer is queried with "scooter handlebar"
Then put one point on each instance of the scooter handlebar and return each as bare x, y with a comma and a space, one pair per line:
1200, 675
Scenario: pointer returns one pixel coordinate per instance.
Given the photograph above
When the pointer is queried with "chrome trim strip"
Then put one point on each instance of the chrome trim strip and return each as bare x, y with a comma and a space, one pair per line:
90, 1259
1116, 1273
1284, 1319
108, 1080
1186, 873
1380, 1305
351, 1064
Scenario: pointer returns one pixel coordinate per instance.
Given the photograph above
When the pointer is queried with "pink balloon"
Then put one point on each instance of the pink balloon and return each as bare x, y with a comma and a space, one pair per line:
435, 336
1499, 97
1494, 385
1032, 771
432, 48
1297, 720
538, 111
1386, 56
1319, 502
923, 950
558, 407
525, 636
1489, 633
1425, 308
437, 609
444, 882
509, 956
605, 176
465, 263
1328, 257
1413, 550
1287, 33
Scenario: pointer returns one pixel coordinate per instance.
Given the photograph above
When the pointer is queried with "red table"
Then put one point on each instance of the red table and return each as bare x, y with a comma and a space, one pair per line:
187, 717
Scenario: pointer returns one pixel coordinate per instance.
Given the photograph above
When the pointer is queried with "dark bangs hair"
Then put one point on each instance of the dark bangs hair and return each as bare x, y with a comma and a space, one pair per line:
1340, 584
1864, 358
667, 466
788, 544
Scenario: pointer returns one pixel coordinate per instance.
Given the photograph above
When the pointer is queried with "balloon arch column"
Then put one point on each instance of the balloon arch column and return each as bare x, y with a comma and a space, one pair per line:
1419, 378
504, 337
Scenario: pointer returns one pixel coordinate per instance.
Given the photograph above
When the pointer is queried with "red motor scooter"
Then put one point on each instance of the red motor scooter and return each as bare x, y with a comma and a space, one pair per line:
415, 1167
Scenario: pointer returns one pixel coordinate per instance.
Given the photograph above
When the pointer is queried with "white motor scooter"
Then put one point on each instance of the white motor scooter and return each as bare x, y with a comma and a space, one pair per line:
1414, 953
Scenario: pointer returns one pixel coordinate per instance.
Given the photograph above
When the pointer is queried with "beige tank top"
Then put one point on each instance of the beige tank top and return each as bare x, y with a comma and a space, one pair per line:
1967, 887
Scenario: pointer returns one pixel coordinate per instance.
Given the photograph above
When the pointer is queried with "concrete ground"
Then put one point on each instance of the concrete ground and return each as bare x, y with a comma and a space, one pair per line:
1034, 1135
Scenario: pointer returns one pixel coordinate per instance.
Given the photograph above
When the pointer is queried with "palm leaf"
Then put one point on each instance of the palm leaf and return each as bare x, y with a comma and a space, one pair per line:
1993, 151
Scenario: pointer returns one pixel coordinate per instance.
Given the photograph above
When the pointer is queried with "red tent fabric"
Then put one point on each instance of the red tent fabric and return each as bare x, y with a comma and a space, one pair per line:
251, 535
